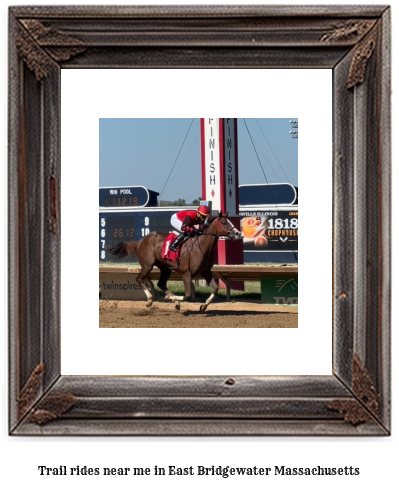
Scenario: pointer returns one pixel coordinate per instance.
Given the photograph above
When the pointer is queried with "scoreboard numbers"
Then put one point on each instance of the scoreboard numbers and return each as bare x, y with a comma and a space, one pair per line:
279, 223
115, 229
102, 233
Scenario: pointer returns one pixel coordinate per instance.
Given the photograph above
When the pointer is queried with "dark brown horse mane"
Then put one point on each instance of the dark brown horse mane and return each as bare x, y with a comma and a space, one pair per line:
210, 220
207, 222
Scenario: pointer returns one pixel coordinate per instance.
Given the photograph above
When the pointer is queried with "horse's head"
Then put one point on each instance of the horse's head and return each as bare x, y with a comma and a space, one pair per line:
222, 227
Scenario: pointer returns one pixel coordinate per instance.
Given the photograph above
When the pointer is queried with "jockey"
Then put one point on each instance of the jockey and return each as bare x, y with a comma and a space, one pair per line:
186, 221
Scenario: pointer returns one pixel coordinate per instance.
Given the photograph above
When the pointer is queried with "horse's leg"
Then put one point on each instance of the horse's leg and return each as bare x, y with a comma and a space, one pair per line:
145, 270
148, 293
208, 277
187, 290
165, 274
149, 283
151, 287
162, 283
163, 279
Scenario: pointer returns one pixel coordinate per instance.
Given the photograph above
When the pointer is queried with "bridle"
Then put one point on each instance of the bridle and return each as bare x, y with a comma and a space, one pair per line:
220, 227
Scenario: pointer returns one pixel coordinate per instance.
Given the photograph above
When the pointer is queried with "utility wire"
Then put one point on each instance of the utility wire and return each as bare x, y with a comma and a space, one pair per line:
272, 150
253, 144
181, 165
267, 160
176, 158
260, 163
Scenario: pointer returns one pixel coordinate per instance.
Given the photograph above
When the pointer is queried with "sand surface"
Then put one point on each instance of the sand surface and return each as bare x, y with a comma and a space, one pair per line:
131, 314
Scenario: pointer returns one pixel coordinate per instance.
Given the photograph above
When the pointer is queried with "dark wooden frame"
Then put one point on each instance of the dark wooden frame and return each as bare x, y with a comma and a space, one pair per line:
353, 41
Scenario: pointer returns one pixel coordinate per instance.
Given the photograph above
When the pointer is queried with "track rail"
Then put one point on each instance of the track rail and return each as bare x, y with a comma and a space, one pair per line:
227, 273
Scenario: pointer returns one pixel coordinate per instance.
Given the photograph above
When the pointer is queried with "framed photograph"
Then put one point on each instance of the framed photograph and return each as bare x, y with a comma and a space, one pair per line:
353, 43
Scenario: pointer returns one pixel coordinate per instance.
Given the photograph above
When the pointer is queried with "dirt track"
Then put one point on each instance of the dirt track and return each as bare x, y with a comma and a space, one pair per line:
126, 314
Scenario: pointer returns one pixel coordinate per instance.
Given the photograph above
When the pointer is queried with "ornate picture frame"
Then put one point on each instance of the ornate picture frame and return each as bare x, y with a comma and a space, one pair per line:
352, 41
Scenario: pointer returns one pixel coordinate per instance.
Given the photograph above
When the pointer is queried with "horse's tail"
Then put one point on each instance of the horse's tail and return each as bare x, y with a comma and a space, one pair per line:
124, 249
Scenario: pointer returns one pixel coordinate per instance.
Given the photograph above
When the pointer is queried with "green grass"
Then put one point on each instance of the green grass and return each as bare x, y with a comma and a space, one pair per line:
252, 291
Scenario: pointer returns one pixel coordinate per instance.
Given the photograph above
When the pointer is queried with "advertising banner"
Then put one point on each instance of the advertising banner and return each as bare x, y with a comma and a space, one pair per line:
270, 230
120, 286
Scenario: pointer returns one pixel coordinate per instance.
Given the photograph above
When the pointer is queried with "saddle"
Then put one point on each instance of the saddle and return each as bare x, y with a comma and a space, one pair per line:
166, 252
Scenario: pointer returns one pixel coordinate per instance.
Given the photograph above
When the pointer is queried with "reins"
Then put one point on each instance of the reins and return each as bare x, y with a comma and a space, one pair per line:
219, 225
199, 246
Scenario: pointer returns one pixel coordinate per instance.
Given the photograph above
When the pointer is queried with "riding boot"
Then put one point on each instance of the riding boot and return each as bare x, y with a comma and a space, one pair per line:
175, 244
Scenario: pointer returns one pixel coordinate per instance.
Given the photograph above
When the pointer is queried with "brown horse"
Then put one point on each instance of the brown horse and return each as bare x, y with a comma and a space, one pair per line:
196, 258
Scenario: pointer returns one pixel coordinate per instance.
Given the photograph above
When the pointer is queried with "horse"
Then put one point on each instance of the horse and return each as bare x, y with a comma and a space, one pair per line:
196, 258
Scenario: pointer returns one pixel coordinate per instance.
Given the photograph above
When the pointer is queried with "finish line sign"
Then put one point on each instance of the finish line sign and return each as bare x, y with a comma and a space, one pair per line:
220, 163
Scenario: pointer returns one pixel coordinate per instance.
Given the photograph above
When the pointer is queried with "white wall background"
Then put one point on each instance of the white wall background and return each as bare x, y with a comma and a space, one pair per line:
88, 95
20, 457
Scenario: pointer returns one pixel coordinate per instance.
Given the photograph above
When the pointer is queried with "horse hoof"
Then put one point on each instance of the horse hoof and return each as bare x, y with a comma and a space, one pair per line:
177, 306
149, 303
203, 307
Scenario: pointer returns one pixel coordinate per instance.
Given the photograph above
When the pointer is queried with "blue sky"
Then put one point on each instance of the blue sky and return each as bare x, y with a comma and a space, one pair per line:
143, 152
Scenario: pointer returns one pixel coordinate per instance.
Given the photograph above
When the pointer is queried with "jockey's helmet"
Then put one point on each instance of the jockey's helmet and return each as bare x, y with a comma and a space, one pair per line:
204, 210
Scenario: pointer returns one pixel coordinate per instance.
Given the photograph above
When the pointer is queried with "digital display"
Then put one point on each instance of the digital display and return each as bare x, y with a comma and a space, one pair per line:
123, 197
262, 230
117, 201
129, 227
270, 230
161, 223
116, 229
